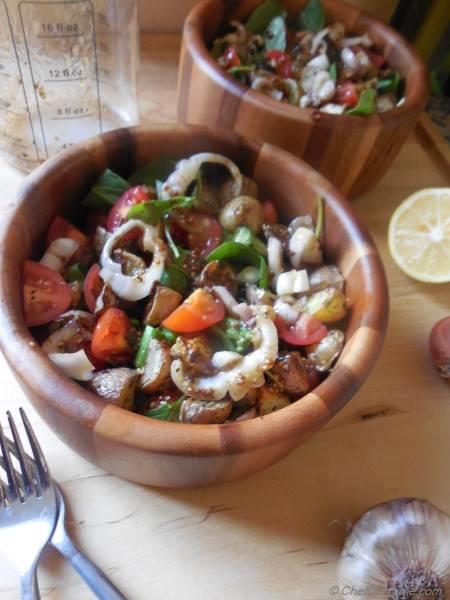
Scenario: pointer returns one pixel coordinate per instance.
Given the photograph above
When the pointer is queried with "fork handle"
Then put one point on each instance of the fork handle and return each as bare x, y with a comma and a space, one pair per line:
92, 575
29, 589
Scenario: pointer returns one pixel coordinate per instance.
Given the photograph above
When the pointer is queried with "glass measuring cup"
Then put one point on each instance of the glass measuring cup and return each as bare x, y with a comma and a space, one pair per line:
67, 71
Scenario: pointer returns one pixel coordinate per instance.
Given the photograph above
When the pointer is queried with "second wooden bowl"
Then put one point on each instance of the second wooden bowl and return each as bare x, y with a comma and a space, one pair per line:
175, 454
353, 152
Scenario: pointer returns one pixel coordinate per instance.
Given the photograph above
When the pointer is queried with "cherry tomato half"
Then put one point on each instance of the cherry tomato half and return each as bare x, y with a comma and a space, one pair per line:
346, 94
204, 233
198, 312
61, 228
110, 337
46, 295
282, 62
92, 287
230, 58
118, 214
305, 331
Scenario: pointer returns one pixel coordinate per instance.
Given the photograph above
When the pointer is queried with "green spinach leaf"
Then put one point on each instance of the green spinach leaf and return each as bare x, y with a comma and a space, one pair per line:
366, 104
158, 169
167, 412
154, 211
311, 18
262, 16
108, 188
389, 84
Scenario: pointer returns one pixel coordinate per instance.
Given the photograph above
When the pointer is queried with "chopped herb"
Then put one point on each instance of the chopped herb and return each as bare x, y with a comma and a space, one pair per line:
311, 18
158, 169
263, 15
333, 72
320, 217
366, 103
167, 412
275, 35
238, 335
226, 342
106, 191
141, 355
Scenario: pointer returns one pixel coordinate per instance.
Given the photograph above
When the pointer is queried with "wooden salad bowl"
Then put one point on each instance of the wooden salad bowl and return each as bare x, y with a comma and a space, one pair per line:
167, 454
353, 152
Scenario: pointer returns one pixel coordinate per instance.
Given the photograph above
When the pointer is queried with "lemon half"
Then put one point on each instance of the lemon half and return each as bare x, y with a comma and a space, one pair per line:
419, 235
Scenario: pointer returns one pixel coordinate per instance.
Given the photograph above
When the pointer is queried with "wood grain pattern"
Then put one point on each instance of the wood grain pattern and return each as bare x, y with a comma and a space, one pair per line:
353, 152
168, 454
279, 533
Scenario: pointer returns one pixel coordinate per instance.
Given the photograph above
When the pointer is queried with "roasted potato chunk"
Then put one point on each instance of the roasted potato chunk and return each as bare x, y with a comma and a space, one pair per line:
157, 367
270, 399
163, 304
117, 386
195, 354
291, 373
328, 305
205, 413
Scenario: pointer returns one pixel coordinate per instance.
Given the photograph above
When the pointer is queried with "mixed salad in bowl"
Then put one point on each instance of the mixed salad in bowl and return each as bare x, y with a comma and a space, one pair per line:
180, 295
307, 62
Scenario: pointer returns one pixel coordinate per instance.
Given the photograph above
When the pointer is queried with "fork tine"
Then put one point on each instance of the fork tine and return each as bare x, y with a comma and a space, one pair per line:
28, 485
2, 495
43, 472
13, 486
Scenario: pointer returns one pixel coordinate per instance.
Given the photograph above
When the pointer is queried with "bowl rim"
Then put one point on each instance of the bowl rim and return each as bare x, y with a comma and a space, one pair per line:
414, 99
302, 417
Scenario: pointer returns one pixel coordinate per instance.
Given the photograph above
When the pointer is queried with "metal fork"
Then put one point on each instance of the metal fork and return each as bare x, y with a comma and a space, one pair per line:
28, 506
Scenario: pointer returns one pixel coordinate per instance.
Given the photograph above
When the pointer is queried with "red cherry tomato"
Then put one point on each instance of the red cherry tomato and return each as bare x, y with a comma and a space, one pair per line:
270, 213
282, 62
305, 331
118, 214
230, 58
99, 365
198, 312
61, 228
92, 287
46, 295
204, 233
376, 59
346, 94
110, 337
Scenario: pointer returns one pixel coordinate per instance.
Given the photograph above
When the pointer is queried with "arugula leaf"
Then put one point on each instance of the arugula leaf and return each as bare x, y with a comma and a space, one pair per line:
275, 35
333, 72
176, 278
390, 83
108, 188
262, 16
154, 211
366, 104
167, 412
158, 169
311, 18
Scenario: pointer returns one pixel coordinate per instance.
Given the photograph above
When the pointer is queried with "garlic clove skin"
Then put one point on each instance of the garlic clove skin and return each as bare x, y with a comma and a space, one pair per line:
440, 347
396, 547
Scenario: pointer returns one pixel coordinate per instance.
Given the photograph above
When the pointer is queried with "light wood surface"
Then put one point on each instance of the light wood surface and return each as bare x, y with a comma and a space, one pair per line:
278, 534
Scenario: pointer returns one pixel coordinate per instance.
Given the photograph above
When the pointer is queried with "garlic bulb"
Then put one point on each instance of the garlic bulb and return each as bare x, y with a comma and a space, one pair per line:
398, 550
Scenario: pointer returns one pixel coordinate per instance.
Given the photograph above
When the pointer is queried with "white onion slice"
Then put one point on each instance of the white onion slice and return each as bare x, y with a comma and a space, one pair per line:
75, 365
134, 288
186, 172
292, 282
59, 253
275, 255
